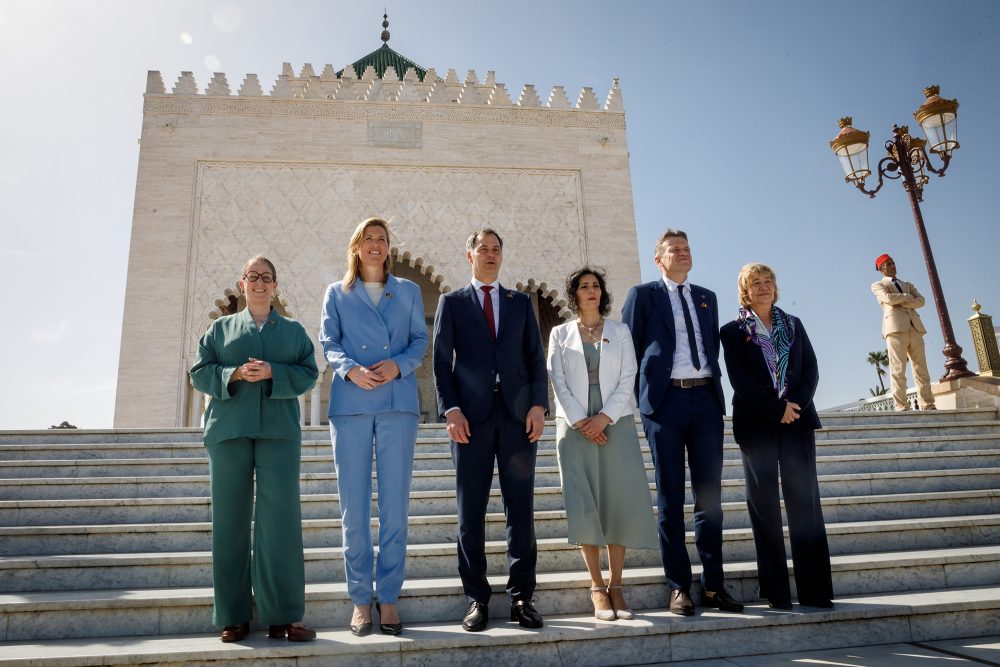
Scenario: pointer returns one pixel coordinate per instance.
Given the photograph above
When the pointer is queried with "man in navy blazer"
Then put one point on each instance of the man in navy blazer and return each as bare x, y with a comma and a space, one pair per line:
492, 387
675, 328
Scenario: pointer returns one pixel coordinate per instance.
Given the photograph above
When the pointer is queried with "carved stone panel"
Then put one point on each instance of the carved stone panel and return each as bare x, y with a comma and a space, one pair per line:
301, 217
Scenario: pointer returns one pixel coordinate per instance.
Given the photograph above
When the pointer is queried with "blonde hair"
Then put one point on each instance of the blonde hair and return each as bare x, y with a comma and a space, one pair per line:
354, 260
747, 274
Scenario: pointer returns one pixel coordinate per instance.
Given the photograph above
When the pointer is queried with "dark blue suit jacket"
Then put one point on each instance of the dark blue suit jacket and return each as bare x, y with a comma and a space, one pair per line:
757, 410
467, 360
648, 314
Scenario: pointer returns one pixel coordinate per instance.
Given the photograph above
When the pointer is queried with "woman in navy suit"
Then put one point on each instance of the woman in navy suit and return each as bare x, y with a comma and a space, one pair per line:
773, 370
374, 337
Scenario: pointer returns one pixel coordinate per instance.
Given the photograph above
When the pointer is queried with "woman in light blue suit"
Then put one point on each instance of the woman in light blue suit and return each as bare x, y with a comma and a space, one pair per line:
374, 337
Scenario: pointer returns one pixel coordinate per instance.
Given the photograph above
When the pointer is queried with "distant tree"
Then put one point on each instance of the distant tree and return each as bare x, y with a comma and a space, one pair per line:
880, 360
63, 425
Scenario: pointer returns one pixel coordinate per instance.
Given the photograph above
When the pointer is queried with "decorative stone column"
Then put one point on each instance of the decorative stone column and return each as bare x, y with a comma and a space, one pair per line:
984, 339
302, 410
315, 399
196, 406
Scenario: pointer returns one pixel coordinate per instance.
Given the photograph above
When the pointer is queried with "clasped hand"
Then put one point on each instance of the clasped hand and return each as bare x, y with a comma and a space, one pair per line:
791, 412
375, 375
592, 428
254, 370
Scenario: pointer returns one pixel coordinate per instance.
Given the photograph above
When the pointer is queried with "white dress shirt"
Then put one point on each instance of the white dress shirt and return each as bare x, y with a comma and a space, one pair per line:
683, 368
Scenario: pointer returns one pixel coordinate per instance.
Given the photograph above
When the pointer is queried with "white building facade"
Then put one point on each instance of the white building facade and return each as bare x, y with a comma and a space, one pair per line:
289, 173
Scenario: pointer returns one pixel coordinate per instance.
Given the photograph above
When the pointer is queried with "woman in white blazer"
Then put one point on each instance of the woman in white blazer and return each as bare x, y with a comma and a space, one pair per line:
374, 336
591, 362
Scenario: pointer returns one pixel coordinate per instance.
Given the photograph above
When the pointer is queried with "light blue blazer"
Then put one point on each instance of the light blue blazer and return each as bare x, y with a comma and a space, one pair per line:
355, 332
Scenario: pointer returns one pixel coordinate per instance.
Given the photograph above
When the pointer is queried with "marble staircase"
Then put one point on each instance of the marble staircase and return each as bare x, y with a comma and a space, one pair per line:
105, 537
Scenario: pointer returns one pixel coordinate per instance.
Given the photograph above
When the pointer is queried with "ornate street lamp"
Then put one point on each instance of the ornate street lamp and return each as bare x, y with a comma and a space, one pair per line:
908, 159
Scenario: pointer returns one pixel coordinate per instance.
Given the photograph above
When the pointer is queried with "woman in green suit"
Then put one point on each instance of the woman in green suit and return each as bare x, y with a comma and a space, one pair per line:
253, 365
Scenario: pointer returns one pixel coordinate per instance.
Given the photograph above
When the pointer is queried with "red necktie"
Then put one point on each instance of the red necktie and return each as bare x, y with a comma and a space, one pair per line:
488, 310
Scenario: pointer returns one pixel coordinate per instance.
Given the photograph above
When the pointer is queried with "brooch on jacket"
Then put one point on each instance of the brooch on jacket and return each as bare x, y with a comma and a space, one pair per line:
509, 295
703, 304
388, 295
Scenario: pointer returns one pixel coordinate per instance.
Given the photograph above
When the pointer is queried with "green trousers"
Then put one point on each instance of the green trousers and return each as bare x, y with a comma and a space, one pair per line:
271, 569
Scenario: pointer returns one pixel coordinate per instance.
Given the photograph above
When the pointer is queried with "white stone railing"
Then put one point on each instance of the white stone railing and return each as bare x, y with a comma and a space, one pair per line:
883, 403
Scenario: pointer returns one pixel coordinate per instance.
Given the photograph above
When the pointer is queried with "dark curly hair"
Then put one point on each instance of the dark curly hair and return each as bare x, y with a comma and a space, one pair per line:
573, 283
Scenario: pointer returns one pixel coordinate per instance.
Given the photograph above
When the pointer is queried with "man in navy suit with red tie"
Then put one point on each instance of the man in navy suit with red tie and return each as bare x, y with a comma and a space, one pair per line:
489, 369
675, 328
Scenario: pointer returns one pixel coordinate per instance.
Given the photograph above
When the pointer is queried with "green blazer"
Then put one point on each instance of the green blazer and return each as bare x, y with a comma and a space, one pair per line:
265, 409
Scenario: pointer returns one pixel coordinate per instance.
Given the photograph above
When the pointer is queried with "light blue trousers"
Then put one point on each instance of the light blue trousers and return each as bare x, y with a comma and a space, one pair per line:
391, 436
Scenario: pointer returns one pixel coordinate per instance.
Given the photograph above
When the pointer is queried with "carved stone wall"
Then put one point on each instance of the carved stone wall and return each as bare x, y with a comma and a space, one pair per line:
222, 177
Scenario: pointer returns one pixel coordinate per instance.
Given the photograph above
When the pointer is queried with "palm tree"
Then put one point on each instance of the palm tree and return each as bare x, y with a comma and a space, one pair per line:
878, 359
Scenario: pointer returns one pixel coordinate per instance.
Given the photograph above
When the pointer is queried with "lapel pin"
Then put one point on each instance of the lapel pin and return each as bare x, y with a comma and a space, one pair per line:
388, 295
703, 304
509, 295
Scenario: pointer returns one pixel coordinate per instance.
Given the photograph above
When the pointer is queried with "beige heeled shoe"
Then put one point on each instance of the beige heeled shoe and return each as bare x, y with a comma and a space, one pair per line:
618, 601
603, 611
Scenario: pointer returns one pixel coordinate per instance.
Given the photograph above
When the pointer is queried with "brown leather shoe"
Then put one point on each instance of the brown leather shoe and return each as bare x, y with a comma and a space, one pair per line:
680, 603
295, 633
300, 632
235, 633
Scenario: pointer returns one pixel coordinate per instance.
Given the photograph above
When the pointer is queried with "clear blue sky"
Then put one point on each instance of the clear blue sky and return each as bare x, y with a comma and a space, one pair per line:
730, 107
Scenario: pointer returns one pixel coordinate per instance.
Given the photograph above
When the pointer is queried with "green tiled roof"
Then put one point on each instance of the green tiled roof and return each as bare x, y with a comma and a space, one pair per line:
383, 57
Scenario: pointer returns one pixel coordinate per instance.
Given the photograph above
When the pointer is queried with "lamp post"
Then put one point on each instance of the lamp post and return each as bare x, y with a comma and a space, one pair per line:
908, 159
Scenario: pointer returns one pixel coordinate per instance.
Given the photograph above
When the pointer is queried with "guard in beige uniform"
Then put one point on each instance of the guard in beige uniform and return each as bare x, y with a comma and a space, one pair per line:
904, 334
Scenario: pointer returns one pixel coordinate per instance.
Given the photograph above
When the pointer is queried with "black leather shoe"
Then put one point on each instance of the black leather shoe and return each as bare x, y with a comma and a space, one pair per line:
525, 614
783, 605
680, 603
476, 617
722, 601
387, 628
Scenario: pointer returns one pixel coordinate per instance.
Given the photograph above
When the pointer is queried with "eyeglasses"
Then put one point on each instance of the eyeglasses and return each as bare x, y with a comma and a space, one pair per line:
253, 277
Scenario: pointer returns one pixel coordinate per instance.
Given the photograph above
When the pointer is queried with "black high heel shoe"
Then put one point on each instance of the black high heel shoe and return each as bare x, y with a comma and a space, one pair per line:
387, 628
362, 629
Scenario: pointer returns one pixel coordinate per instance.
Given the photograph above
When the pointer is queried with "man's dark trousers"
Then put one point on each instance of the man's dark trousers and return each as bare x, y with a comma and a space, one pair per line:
692, 418
502, 438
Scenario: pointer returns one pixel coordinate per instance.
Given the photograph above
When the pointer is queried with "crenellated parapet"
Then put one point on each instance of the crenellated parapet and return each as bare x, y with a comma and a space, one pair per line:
392, 86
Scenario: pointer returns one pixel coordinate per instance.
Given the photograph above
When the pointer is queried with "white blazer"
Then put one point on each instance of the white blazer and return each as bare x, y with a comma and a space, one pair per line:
568, 371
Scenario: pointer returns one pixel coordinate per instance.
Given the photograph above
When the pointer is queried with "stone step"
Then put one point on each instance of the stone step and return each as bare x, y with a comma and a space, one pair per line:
438, 532
156, 611
434, 471
123, 569
429, 451
440, 482
655, 636
23, 513
833, 422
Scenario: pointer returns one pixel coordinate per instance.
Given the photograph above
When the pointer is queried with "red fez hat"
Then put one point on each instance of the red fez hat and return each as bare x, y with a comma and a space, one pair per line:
880, 260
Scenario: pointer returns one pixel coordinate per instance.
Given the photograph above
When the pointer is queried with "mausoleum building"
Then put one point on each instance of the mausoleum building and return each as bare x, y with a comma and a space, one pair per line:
288, 172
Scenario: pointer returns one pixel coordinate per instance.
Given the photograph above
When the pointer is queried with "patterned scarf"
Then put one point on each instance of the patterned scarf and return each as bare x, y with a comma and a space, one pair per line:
775, 347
